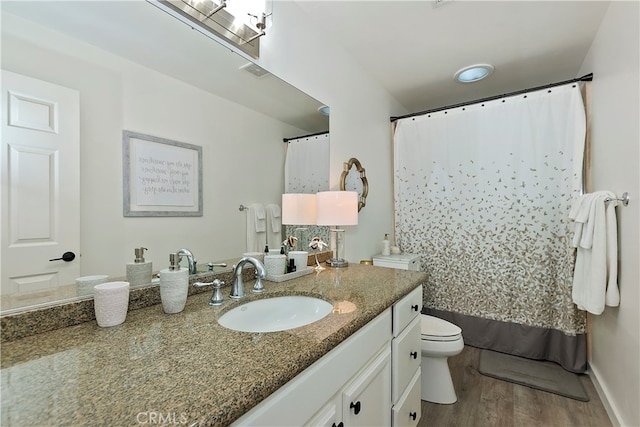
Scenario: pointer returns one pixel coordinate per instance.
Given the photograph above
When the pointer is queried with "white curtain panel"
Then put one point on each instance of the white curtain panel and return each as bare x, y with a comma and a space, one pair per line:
307, 165
482, 193
307, 171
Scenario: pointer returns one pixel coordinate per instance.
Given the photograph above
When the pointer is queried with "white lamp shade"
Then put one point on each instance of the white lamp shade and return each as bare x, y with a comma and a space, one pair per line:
298, 209
337, 208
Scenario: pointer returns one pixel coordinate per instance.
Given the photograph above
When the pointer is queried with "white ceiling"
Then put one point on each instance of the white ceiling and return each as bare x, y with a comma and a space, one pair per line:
413, 48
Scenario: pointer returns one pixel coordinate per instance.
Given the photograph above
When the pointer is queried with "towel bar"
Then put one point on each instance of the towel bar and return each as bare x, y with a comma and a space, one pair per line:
624, 199
242, 208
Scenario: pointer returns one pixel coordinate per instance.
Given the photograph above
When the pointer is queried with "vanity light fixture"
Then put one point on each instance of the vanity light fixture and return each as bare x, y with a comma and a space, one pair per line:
337, 208
216, 9
473, 73
215, 20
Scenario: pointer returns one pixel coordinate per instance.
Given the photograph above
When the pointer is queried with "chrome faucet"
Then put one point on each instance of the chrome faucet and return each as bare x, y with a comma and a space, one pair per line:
237, 288
190, 259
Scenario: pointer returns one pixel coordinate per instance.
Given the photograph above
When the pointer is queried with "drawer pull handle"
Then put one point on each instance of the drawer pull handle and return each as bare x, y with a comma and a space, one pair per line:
414, 354
355, 407
414, 307
413, 415
339, 425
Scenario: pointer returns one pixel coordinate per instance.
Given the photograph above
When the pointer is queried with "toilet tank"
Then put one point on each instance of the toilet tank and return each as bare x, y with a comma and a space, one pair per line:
399, 261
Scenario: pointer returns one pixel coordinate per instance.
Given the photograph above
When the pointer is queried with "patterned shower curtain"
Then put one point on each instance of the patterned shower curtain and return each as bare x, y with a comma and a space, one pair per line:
482, 193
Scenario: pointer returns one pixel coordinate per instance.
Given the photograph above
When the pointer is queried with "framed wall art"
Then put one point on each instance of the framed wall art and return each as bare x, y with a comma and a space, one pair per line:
161, 177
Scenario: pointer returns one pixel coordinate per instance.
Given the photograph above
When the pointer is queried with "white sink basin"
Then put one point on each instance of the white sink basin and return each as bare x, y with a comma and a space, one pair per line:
275, 314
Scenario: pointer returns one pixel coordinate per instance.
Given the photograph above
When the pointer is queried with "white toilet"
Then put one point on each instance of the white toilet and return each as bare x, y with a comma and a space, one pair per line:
440, 339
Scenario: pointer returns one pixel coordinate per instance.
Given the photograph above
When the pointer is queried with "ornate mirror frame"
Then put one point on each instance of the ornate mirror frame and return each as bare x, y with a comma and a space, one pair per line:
362, 196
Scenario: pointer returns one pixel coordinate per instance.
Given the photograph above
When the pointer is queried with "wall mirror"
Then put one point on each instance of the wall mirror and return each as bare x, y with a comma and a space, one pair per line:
140, 33
354, 178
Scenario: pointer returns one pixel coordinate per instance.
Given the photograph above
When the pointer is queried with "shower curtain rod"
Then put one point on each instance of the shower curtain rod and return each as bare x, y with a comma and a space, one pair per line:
305, 136
585, 78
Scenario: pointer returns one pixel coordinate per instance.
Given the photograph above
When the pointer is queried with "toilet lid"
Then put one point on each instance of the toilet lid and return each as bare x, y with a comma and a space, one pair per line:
436, 329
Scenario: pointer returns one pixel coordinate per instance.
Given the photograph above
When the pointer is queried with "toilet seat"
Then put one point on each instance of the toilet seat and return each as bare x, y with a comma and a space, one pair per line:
436, 329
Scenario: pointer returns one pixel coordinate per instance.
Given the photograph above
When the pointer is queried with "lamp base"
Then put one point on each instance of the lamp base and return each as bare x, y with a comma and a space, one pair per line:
337, 263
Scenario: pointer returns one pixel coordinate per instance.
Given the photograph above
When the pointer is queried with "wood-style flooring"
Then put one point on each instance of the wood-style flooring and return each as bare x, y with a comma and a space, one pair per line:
487, 402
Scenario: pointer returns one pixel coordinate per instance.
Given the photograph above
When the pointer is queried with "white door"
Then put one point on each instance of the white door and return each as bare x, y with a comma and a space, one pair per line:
40, 166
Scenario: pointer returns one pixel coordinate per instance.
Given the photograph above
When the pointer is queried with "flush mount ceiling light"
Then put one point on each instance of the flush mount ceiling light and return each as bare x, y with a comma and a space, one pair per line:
324, 110
473, 73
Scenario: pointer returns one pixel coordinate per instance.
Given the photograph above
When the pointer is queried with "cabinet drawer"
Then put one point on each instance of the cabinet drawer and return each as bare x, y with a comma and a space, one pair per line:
405, 357
406, 310
407, 412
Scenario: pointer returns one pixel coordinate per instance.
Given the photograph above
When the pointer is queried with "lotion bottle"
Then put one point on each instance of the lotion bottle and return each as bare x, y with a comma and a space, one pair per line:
174, 286
139, 271
386, 245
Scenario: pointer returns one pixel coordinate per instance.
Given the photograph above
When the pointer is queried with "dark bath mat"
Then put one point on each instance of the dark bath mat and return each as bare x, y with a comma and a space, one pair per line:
541, 375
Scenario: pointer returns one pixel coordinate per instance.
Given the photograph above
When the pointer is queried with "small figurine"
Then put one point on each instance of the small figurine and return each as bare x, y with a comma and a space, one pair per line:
317, 245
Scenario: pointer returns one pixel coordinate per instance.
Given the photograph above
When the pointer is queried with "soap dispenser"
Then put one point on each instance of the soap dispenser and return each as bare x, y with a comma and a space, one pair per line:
174, 286
139, 271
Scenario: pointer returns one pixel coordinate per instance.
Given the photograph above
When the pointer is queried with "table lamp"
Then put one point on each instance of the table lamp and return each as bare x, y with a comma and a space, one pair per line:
299, 209
337, 208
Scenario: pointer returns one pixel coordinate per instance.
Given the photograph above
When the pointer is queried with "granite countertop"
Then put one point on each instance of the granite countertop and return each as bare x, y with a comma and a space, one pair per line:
183, 369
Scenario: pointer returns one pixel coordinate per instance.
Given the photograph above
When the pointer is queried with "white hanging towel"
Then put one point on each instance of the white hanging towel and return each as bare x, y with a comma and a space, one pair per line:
256, 240
274, 228
595, 279
260, 218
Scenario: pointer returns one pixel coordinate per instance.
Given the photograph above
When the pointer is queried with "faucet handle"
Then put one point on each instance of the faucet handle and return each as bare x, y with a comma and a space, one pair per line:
211, 265
216, 298
202, 284
258, 287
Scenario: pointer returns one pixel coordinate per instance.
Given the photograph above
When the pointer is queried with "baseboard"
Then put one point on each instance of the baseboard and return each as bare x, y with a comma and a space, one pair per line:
604, 397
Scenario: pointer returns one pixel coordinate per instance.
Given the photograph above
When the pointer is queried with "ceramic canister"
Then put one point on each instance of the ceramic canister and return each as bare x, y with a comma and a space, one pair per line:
275, 264
111, 302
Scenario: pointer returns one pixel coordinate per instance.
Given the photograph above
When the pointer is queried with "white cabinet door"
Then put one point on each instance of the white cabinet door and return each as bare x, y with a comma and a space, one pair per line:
40, 185
329, 416
366, 401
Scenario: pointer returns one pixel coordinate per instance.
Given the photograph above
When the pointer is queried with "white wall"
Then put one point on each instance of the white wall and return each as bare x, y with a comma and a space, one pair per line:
613, 58
299, 53
243, 153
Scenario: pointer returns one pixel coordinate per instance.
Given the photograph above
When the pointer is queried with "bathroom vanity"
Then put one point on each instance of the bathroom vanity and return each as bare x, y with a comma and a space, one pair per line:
353, 367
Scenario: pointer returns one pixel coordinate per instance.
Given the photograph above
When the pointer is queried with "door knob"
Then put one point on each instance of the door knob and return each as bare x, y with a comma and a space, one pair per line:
66, 257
